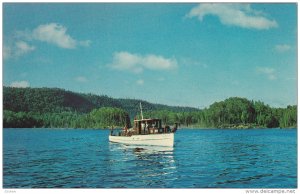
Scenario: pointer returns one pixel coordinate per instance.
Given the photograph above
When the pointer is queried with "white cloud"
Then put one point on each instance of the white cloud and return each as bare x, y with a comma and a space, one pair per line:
241, 15
158, 62
52, 33
23, 48
17, 49
137, 63
140, 82
20, 84
269, 72
55, 34
81, 79
85, 43
126, 61
282, 48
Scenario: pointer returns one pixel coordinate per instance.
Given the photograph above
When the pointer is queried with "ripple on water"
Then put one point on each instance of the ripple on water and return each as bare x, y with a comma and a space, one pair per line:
200, 159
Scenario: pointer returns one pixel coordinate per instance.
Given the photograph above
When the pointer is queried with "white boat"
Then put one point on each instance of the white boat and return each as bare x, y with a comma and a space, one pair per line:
145, 132
164, 139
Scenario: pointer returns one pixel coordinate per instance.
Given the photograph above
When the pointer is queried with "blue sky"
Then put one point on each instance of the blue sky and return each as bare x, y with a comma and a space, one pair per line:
176, 54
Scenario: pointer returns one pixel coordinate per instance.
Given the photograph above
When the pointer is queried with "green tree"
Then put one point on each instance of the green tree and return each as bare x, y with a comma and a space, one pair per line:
107, 116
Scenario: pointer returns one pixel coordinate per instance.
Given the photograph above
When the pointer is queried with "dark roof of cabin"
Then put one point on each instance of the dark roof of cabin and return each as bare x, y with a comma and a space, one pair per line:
136, 120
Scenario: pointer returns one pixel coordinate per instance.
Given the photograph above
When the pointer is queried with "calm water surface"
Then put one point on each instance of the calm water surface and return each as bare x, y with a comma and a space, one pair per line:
71, 158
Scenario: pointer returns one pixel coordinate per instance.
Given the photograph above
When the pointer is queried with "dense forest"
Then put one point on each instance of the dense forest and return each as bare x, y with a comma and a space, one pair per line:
54, 100
233, 112
58, 108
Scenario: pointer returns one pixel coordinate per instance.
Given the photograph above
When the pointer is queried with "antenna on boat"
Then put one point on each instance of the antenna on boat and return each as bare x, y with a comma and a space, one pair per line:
141, 110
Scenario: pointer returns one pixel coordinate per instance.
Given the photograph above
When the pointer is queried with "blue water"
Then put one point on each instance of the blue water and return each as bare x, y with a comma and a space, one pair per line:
72, 158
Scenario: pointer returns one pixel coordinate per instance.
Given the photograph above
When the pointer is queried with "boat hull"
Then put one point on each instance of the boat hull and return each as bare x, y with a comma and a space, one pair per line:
166, 139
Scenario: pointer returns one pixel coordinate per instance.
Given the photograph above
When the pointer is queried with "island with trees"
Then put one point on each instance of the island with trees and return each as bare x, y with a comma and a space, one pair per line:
58, 108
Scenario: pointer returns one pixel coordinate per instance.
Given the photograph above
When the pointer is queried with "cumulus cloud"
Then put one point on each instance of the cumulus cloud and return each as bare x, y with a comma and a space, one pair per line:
23, 48
137, 63
267, 71
81, 79
281, 48
17, 49
52, 33
241, 15
56, 34
20, 84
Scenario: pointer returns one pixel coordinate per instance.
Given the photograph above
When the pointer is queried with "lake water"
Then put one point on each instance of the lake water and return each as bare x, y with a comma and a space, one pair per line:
76, 158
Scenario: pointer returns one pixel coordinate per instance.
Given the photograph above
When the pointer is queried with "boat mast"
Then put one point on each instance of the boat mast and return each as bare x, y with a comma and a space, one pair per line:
141, 110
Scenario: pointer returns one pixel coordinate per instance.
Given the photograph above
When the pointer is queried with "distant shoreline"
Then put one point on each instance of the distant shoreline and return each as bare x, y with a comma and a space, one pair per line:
52, 107
180, 128
264, 128
236, 127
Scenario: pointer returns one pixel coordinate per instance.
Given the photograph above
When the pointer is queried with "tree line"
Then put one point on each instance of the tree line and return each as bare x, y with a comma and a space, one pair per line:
55, 100
98, 118
233, 112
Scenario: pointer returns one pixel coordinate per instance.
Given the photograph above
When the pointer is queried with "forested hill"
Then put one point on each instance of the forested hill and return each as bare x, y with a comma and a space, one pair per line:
55, 100
58, 108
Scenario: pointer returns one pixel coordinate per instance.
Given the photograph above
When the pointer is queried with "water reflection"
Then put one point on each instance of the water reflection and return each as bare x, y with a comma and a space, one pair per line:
153, 166
119, 146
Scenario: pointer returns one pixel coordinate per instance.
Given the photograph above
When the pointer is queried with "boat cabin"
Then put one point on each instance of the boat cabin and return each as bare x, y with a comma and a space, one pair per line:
145, 127
149, 126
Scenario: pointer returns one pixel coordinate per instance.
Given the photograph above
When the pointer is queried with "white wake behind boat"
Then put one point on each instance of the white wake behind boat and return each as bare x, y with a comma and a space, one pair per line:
145, 132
